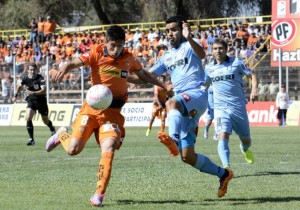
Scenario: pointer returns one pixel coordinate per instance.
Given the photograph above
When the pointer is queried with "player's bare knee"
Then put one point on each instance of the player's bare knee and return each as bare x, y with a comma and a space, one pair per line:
173, 104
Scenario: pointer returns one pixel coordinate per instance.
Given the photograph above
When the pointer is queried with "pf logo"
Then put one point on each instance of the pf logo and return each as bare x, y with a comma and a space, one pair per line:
284, 31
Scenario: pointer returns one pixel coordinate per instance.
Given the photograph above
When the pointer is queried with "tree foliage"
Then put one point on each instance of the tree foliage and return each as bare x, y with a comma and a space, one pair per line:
16, 14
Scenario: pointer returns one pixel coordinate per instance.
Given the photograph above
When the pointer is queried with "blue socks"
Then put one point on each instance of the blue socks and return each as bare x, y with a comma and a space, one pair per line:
175, 120
224, 151
207, 127
204, 164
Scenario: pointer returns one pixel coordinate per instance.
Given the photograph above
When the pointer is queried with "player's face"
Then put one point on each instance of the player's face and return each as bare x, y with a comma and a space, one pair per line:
219, 52
114, 47
174, 34
31, 71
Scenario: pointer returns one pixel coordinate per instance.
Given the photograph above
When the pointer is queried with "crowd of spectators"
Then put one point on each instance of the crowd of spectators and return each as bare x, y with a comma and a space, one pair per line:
243, 39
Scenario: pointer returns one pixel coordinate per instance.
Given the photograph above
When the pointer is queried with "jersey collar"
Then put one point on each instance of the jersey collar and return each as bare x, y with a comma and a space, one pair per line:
226, 60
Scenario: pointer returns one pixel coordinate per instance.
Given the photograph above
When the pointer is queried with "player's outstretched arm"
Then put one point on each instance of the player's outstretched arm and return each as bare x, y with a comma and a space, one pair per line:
76, 63
254, 91
133, 78
186, 32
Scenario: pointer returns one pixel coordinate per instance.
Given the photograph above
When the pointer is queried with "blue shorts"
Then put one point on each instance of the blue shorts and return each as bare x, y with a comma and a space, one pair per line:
194, 104
237, 120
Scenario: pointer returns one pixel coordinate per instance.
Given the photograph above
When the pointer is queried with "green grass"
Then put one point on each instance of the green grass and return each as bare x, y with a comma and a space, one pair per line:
145, 176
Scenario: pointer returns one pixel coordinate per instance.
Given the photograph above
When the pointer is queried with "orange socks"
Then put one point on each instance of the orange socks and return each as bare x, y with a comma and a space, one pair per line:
104, 172
64, 138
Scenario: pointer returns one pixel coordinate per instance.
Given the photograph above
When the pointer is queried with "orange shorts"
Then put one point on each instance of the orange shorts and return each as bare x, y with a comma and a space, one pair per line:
104, 123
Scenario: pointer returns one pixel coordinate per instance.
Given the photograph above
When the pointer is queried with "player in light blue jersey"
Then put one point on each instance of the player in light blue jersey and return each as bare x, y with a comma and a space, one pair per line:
226, 75
183, 63
210, 113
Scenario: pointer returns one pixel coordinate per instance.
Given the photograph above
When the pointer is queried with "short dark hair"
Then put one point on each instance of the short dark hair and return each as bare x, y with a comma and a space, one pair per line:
176, 19
220, 41
115, 33
33, 65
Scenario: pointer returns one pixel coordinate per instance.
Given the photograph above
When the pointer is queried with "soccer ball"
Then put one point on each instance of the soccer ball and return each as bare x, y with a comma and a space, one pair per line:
99, 97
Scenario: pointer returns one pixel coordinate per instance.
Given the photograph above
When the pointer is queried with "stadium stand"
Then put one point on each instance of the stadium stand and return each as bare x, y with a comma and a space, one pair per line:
248, 38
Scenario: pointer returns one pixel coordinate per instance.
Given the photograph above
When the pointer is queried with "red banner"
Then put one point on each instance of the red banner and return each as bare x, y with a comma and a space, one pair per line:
265, 114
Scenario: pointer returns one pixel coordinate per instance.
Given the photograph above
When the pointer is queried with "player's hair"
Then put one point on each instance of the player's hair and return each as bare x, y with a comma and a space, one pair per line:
220, 41
115, 33
33, 65
162, 76
176, 19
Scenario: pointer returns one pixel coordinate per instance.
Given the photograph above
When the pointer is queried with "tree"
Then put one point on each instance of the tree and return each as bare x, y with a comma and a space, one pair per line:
16, 14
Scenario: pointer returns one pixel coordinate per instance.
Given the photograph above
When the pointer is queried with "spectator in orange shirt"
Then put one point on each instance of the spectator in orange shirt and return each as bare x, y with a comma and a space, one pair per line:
54, 85
46, 45
128, 34
26, 56
92, 43
252, 40
49, 28
70, 49
146, 42
243, 34
60, 39
155, 42
40, 30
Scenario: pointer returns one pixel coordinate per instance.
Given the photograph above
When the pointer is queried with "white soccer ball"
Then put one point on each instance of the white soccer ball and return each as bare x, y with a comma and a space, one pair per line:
99, 97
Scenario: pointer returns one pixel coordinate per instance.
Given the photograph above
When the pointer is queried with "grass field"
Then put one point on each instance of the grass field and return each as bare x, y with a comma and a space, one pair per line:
144, 175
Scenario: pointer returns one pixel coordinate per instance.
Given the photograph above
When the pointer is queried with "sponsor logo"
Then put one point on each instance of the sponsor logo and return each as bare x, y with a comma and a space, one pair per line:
283, 32
263, 115
222, 78
124, 74
177, 63
186, 97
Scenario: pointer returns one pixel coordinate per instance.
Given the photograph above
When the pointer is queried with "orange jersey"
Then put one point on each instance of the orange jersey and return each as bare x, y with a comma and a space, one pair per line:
49, 27
41, 26
161, 94
109, 71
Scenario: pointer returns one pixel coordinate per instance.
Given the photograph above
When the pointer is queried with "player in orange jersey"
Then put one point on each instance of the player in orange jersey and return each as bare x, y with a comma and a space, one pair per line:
159, 106
111, 65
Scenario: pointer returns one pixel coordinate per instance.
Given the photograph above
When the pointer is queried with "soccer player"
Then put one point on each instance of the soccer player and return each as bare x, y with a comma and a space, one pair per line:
159, 106
183, 63
210, 113
111, 65
226, 75
36, 100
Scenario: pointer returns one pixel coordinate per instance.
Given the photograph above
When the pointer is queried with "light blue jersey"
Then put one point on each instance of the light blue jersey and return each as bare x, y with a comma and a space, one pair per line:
229, 101
227, 80
187, 77
184, 67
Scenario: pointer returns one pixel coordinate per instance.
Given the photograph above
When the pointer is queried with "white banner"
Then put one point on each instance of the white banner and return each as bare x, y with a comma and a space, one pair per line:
5, 114
139, 114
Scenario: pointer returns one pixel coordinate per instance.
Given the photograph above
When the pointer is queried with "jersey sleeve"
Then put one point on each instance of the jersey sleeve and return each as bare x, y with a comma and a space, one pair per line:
135, 65
207, 78
243, 68
89, 57
159, 67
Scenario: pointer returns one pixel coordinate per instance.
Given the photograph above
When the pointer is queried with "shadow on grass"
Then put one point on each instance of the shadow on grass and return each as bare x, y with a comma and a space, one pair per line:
260, 200
270, 173
132, 202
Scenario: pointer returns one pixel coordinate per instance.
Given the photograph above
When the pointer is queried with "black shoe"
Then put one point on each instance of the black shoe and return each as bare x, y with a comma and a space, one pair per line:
53, 132
30, 142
